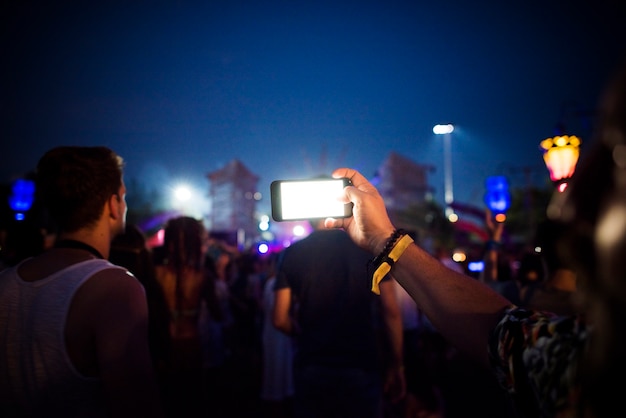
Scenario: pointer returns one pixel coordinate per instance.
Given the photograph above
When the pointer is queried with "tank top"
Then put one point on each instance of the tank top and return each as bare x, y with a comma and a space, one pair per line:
37, 376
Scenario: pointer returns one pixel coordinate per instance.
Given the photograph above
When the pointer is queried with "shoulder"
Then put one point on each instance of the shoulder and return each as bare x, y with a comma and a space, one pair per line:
527, 334
527, 346
108, 301
112, 282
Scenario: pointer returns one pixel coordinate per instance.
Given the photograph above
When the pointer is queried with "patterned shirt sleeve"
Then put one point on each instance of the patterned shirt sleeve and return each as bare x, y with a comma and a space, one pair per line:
534, 355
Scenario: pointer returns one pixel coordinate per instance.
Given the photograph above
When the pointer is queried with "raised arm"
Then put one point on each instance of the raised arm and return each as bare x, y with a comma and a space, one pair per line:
461, 308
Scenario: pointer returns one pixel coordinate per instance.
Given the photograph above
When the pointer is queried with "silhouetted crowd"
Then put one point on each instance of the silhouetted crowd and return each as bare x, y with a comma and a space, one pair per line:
208, 307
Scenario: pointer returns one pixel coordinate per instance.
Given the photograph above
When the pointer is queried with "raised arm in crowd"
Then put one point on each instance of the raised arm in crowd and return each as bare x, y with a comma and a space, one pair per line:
565, 366
461, 308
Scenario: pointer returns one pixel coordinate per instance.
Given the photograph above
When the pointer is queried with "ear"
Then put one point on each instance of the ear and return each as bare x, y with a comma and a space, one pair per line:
115, 206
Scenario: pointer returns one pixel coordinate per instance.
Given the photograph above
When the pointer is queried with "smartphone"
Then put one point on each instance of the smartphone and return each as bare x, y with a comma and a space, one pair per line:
309, 199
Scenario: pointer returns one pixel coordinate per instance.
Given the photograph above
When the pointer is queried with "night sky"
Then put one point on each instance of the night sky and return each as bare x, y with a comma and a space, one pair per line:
297, 88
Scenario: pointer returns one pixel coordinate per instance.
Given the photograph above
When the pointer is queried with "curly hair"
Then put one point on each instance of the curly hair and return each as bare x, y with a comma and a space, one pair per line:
183, 239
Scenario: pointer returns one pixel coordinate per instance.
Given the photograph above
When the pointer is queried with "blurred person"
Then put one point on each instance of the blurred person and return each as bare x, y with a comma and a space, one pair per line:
129, 249
214, 323
497, 272
224, 257
217, 320
542, 281
323, 300
553, 366
246, 293
530, 273
73, 326
558, 291
425, 354
496, 267
277, 387
216, 327
183, 278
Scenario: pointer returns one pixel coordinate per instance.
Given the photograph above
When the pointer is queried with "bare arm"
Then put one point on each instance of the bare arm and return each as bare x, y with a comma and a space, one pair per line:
395, 384
461, 308
393, 320
281, 316
491, 258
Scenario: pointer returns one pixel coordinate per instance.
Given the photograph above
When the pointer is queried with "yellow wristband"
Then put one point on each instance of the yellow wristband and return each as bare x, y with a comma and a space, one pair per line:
385, 267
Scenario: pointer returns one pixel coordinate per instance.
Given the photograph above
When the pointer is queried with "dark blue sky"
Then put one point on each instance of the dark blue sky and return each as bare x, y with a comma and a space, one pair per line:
296, 88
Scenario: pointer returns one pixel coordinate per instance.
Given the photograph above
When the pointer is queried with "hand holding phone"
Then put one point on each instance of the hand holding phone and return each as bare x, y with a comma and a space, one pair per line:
309, 199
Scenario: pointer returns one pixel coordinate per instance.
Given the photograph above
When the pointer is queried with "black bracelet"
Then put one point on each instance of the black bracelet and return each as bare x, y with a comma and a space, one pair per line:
384, 254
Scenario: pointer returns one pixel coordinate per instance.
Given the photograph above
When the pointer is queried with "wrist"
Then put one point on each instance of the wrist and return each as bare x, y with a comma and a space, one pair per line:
394, 247
378, 242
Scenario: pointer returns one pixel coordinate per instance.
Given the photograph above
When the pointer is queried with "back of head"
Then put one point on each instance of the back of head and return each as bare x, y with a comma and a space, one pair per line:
184, 241
593, 208
73, 183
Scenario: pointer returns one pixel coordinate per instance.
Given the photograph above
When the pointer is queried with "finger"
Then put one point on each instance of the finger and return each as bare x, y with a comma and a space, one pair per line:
333, 223
359, 183
342, 172
356, 178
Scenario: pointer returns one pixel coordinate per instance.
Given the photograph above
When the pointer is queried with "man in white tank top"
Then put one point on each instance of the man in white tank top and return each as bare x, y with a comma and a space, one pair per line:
73, 327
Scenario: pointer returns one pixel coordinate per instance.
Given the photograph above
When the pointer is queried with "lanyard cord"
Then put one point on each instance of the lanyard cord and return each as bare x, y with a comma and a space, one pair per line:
79, 245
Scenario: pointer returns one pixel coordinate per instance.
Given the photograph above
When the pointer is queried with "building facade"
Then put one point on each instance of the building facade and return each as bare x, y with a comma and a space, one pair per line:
403, 183
233, 195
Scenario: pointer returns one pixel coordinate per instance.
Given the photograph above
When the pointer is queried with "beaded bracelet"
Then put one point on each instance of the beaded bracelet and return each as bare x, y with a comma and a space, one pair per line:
393, 249
376, 261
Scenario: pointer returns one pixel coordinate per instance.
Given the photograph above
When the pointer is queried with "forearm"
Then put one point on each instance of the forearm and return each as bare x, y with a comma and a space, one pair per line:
393, 324
461, 308
392, 319
492, 247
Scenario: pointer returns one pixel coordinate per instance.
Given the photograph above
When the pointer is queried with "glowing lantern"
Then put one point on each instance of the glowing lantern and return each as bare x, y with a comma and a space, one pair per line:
561, 155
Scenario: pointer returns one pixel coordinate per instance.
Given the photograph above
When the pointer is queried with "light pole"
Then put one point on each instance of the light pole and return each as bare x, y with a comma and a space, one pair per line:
446, 130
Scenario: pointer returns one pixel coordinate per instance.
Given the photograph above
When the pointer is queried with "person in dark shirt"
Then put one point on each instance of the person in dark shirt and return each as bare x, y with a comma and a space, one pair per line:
323, 299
